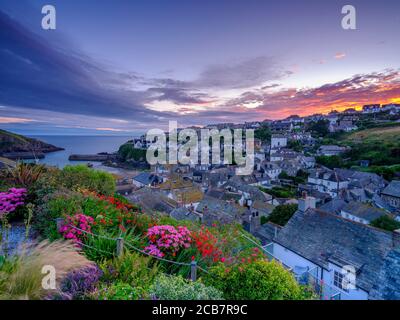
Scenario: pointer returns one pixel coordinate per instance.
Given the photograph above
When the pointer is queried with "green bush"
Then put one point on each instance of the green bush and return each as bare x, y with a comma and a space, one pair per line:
177, 288
386, 223
129, 152
259, 280
118, 291
131, 268
282, 214
74, 177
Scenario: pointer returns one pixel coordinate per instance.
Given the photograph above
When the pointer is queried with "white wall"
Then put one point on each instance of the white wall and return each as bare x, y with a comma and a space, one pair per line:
292, 259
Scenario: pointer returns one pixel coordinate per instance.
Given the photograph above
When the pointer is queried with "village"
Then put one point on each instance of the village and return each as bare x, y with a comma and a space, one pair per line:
315, 220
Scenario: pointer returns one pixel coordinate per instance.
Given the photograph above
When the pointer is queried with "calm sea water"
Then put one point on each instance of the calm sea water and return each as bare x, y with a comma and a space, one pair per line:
79, 145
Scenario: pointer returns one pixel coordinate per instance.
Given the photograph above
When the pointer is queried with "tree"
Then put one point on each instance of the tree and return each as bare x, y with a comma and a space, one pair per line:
386, 223
331, 162
263, 133
282, 214
320, 127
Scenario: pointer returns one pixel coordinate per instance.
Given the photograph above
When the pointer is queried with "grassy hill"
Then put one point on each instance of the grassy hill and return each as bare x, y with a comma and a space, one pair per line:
11, 143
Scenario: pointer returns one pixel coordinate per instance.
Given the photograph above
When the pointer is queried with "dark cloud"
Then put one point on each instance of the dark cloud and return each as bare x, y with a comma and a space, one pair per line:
243, 74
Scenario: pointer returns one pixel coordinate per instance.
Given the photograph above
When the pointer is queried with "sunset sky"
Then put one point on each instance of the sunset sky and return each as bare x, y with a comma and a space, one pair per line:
122, 67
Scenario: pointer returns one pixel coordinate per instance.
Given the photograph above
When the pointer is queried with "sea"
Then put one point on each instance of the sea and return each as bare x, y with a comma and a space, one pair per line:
79, 145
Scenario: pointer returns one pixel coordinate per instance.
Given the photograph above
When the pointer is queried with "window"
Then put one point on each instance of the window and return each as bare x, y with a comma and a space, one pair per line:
339, 281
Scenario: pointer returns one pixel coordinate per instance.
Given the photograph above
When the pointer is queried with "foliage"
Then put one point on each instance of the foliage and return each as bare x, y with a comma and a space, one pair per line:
82, 177
25, 174
280, 192
296, 145
386, 223
263, 133
259, 280
177, 288
319, 128
128, 152
118, 291
331, 162
80, 283
387, 172
133, 269
282, 214
21, 277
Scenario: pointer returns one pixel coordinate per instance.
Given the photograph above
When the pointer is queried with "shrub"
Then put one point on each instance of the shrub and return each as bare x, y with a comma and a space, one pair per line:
177, 288
282, 214
75, 177
21, 277
167, 240
80, 283
25, 174
70, 228
132, 269
118, 291
386, 223
259, 280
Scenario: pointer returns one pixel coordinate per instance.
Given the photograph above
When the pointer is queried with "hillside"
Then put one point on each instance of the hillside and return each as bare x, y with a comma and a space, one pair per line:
13, 143
380, 145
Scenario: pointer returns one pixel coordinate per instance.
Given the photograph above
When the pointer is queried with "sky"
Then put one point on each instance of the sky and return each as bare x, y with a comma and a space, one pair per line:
122, 67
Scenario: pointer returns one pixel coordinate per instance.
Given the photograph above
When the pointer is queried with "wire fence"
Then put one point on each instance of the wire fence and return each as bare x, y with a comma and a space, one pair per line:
121, 244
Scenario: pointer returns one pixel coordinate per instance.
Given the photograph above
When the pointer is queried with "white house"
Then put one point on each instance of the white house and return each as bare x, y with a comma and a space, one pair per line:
341, 257
327, 181
278, 141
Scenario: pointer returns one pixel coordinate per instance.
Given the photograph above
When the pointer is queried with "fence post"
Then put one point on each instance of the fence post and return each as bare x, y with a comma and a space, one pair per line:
193, 270
59, 222
120, 246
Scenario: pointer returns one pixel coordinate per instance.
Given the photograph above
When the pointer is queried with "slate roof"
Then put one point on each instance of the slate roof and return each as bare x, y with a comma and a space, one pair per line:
147, 178
183, 213
363, 211
334, 206
266, 232
322, 237
393, 189
387, 286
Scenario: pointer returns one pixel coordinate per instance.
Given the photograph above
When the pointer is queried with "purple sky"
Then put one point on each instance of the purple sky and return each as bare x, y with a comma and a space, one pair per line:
121, 67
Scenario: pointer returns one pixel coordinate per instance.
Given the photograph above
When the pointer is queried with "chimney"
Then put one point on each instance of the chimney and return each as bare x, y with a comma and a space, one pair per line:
396, 238
254, 221
306, 203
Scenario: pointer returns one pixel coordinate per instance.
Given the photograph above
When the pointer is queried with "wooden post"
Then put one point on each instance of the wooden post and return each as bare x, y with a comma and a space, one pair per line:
59, 222
193, 270
120, 246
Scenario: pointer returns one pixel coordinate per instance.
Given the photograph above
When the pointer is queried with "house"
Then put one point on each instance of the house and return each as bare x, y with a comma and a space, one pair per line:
307, 162
278, 141
152, 201
395, 107
360, 212
391, 194
331, 150
327, 181
219, 211
371, 108
146, 179
344, 255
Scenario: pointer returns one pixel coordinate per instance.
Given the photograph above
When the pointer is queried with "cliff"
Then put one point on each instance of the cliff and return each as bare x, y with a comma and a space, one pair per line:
13, 146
